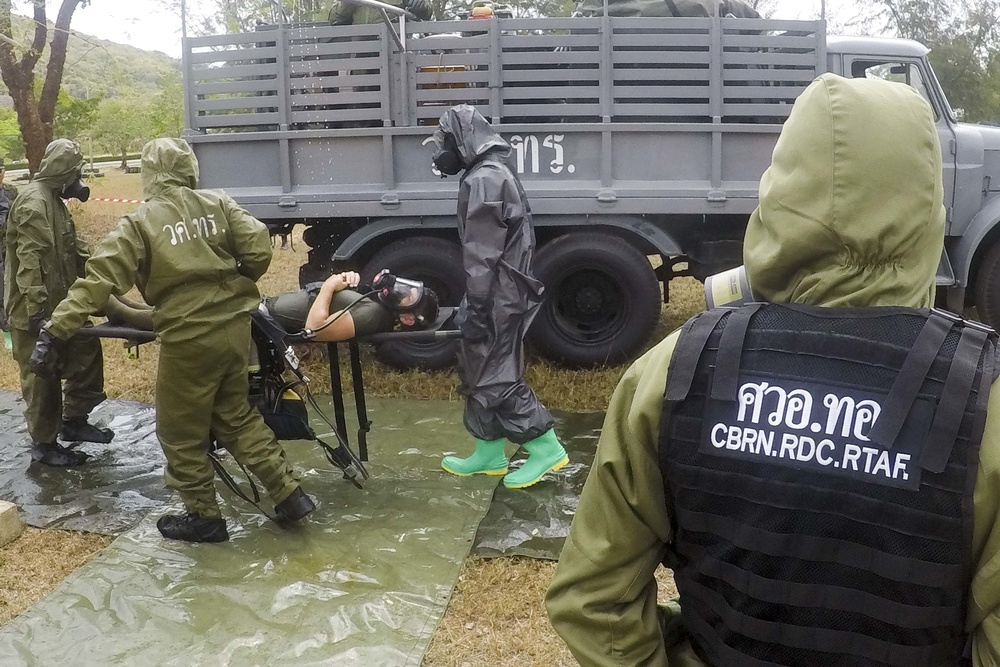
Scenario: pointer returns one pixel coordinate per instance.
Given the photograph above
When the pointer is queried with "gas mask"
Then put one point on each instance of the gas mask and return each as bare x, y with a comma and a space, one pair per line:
446, 156
397, 293
728, 289
76, 189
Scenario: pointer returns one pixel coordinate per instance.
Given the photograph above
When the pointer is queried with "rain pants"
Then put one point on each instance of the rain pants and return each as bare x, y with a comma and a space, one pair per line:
851, 215
502, 296
42, 258
195, 256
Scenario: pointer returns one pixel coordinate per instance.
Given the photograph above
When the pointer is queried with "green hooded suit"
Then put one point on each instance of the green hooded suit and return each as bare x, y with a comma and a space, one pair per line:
851, 215
195, 256
42, 258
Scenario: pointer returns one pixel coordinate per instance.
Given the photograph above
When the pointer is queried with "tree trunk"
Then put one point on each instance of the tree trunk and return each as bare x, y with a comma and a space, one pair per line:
124, 158
34, 115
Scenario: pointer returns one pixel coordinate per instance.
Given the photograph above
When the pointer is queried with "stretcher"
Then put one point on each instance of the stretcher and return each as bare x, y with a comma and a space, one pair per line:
443, 329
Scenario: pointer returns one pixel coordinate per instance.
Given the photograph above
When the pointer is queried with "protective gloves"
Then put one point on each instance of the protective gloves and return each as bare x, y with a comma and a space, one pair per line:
36, 321
45, 357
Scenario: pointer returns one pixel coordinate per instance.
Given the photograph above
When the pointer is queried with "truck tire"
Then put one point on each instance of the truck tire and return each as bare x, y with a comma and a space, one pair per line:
602, 300
438, 263
988, 287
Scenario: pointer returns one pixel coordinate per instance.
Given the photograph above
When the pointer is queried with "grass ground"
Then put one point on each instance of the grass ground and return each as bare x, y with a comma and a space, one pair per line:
496, 616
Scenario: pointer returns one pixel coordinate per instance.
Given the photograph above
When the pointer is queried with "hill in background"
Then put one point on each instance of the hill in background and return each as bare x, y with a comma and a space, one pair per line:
99, 68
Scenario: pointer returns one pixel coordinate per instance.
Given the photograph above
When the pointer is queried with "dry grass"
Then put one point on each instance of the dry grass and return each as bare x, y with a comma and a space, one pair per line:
35, 563
496, 617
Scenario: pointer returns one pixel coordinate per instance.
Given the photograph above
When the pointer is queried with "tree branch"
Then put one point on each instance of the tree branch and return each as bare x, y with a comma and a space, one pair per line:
57, 60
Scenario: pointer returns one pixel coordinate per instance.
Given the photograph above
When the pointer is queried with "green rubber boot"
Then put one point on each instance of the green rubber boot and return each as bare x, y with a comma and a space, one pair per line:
488, 459
545, 454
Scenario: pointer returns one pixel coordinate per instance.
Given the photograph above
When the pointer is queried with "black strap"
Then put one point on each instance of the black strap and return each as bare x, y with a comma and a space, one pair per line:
337, 390
726, 378
836, 642
821, 549
690, 346
910, 379
358, 380
673, 8
234, 486
826, 596
954, 399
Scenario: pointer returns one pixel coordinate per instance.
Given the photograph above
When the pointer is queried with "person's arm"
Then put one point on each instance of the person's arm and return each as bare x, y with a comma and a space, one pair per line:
113, 269
483, 243
342, 327
32, 241
983, 618
251, 240
602, 600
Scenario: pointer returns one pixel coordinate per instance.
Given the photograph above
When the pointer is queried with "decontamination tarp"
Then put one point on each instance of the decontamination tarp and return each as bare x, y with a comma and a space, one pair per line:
363, 582
535, 521
118, 486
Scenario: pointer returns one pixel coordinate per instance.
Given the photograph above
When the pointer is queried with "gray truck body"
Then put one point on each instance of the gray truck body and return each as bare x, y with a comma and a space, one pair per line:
653, 131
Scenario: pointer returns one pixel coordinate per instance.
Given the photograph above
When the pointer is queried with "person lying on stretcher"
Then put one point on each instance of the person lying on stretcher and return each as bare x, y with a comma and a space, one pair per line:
336, 312
332, 310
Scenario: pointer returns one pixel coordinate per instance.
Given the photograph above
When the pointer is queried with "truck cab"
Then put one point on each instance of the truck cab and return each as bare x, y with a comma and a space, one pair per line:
969, 273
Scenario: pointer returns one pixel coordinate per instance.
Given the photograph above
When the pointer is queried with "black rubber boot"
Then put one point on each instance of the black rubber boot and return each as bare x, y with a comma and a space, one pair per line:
296, 506
78, 429
56, 455
192, 528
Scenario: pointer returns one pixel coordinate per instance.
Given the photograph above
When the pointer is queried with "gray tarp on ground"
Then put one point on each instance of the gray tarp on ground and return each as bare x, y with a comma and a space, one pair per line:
113, 492
534, 522
365, 582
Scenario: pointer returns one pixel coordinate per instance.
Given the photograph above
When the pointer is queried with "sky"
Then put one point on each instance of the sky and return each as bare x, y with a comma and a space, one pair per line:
146, 25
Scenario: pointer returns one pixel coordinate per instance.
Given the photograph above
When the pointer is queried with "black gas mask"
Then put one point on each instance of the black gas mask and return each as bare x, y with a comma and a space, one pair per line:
401, 295
396, 293
446, 158
76, 189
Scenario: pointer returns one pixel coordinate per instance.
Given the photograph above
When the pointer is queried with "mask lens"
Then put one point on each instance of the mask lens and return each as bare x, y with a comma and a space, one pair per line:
407, 292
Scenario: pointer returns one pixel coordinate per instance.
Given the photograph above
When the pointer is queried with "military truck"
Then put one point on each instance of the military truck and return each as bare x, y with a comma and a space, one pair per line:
640, 143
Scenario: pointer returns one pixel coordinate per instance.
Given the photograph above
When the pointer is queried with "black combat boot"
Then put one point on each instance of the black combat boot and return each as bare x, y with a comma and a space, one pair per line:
192, 528
296, 506
78, 429
52, 454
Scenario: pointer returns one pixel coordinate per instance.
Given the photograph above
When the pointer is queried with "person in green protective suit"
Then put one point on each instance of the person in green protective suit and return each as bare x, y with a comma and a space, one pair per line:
195, 256
851, 215
43, 256
667, 8
344, 12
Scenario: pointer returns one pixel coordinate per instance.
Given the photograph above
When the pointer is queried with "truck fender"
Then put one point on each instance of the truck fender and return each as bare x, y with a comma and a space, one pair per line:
636, 226
362, 237
964, 252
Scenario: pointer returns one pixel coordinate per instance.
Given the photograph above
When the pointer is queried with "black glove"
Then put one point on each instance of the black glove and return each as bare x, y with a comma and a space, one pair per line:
36, 321
473, 327
45, 357
421, 8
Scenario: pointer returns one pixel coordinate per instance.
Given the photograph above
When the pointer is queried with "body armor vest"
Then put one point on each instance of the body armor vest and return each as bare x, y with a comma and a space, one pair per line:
820, 465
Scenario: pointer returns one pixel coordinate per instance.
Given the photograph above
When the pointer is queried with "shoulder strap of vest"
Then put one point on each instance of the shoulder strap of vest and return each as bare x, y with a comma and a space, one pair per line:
673, 8
955, 396
690, 345
911, 378
726, 380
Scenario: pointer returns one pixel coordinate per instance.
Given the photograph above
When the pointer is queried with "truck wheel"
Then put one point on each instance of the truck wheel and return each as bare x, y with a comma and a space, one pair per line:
438, 263
988, 287
602, 300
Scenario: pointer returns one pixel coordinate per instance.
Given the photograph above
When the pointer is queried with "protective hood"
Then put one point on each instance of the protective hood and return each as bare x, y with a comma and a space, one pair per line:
61, 163
851, 209
168, 163
473, 134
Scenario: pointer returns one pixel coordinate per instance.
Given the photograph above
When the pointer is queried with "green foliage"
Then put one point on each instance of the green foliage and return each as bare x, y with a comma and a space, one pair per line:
11, 146
123, 125
964, 37
73, 116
